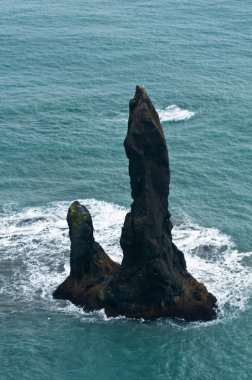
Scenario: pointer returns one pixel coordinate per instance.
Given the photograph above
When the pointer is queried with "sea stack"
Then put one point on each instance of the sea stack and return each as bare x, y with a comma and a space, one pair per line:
91, 267
152, 280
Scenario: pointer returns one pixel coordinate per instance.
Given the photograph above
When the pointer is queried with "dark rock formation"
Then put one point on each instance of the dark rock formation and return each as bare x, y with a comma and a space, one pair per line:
152, 280
91, 267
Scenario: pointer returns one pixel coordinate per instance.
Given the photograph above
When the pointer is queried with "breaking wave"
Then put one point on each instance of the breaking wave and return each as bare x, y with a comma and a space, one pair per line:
174, 113
34, 257
170, 113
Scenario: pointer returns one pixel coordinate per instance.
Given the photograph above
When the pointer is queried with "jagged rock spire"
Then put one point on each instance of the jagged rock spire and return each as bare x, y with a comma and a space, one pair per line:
152, 280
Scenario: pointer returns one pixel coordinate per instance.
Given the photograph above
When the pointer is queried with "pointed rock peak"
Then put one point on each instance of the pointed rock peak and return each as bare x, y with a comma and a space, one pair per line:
146, 148
142, 103
140, 94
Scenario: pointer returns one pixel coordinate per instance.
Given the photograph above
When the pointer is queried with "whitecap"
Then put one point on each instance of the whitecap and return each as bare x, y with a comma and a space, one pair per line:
174, 113
170, 113
213, 259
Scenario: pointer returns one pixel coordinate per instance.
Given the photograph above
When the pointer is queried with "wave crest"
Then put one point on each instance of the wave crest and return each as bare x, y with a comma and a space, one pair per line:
174, 113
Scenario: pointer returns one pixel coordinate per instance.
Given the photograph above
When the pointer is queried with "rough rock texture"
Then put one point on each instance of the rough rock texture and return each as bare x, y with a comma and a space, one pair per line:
152, 280
91, 267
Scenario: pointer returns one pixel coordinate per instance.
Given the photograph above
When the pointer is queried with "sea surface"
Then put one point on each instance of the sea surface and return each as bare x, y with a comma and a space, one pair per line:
67, 72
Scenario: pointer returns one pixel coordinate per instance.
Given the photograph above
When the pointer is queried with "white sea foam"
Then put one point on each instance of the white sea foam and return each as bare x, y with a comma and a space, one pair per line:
34, 257
170, 113
174, 113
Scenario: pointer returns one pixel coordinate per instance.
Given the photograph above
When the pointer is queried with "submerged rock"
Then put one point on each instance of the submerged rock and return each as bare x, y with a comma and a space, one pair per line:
152, 280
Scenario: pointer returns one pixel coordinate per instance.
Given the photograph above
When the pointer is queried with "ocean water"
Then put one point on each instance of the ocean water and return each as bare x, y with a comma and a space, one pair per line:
67, 72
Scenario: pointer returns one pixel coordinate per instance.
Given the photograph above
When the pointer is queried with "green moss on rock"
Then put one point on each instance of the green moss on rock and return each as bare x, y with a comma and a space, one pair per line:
77, 215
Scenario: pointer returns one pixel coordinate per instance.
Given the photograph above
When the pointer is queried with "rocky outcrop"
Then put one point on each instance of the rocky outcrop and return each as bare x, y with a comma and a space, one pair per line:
91, 267
152, 280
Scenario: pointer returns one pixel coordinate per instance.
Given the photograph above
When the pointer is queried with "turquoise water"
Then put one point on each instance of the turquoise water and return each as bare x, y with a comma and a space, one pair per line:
67, 72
